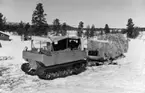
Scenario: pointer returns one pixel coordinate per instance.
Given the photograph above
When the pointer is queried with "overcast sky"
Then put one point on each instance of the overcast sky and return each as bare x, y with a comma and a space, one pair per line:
115, 13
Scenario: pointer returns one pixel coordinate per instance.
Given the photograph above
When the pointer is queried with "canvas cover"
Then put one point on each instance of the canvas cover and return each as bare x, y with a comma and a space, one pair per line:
115, 45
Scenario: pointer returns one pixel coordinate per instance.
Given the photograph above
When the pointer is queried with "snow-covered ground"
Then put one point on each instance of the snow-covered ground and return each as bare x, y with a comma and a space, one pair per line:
127, 77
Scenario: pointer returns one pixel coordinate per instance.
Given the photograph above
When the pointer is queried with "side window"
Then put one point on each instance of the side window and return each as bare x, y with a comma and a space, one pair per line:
60, 45
74, 44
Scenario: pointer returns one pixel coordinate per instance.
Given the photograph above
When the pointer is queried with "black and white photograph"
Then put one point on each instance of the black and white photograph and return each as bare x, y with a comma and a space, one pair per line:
72, 46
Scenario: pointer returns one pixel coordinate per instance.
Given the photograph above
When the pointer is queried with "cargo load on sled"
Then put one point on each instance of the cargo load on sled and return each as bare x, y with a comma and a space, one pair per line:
107, 47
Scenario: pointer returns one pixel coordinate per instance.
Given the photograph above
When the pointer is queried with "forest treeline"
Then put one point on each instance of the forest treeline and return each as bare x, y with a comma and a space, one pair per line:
39, 26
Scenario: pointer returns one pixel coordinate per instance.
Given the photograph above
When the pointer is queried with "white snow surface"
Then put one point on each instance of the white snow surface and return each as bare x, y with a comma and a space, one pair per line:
127, 77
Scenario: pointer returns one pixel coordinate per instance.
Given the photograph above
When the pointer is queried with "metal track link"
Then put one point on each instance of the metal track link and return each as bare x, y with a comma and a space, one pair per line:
63, 72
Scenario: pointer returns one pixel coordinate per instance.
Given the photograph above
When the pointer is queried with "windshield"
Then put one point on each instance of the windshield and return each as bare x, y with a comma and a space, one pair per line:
68, 43
40, 45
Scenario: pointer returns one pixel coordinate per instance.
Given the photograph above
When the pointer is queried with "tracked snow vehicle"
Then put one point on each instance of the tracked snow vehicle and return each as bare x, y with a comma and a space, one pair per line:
55, 57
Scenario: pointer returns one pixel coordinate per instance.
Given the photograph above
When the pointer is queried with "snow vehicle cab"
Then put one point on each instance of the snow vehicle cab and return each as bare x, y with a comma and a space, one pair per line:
54, 57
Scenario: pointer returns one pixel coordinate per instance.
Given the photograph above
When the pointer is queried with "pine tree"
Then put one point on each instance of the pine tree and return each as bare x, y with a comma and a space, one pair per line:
80, 28
56, 26
2, 22
21, 29
130, 27
87, 33
107, 29
101, 32
39, 20
92, 31
64, 29
132, 32
27, 26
